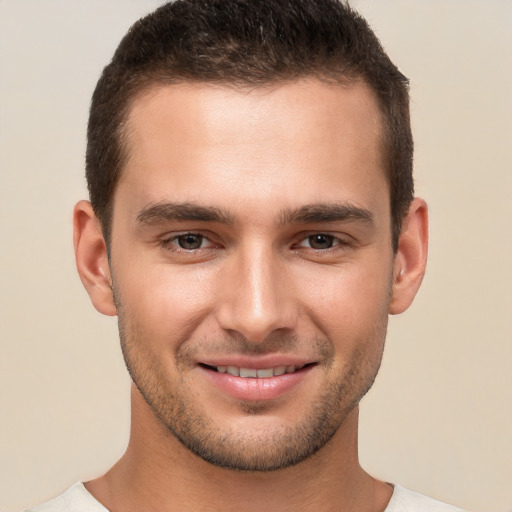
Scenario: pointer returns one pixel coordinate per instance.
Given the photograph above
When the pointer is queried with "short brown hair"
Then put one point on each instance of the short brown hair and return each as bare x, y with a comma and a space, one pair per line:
247, 43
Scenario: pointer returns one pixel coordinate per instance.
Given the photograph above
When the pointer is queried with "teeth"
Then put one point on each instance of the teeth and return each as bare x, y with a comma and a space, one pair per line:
280, 370
248, 372
233, 370
262, 374
253, 373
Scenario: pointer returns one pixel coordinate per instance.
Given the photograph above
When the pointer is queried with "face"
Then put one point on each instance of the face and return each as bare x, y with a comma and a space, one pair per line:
252, 265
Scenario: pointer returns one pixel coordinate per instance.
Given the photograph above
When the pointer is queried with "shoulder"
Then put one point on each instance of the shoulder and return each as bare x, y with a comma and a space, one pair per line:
404, 500
75, 499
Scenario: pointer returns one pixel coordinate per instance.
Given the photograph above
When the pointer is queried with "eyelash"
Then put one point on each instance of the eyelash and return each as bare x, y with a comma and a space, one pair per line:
335, 242
169, 243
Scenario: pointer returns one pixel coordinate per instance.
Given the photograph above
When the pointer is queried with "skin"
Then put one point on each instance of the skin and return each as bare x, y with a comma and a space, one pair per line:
286, 187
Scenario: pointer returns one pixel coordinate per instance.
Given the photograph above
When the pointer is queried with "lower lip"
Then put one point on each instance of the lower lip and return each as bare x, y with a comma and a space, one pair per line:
256, 389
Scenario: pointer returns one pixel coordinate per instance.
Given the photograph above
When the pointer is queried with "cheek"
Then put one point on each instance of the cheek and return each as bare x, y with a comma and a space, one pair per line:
348, 301
167, 302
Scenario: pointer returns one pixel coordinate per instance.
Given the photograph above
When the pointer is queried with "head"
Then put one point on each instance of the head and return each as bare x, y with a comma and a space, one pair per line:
252, 222
246, 44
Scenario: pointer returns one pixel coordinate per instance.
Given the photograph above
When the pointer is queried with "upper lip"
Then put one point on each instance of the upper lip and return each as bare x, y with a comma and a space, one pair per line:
255, 362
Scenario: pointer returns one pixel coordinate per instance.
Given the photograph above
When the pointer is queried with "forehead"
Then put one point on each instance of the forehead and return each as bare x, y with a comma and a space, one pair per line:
296, 142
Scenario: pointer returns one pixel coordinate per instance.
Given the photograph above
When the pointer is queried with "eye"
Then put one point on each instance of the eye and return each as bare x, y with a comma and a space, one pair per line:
187, 242
190, 241
319, 241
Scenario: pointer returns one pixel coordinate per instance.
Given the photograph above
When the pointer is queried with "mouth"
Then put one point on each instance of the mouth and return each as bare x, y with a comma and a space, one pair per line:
257, 373
256, 382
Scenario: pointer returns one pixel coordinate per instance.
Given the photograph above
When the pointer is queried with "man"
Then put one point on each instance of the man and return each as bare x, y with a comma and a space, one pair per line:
252, 224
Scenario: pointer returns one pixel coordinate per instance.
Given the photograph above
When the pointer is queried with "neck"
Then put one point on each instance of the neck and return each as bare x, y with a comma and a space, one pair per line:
158, 473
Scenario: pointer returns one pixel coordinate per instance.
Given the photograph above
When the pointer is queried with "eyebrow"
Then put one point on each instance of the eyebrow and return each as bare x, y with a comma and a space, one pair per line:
156, 213
326, 212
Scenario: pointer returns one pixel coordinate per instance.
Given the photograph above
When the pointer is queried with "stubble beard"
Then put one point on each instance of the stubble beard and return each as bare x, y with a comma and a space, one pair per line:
269, 449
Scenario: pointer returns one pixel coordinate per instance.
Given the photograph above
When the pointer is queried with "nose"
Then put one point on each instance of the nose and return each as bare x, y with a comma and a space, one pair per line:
256, 298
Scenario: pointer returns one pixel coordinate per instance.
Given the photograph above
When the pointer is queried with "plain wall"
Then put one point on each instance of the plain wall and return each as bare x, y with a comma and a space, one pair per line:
439, 418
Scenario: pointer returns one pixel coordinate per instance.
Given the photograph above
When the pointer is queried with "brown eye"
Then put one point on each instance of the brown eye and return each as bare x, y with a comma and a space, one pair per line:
190, 241
321, 241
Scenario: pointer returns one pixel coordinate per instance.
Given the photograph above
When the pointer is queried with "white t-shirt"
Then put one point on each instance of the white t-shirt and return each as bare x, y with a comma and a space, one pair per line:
78, 499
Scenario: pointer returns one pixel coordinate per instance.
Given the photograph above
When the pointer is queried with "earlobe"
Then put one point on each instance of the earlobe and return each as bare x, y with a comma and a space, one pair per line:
92, 259
411, 257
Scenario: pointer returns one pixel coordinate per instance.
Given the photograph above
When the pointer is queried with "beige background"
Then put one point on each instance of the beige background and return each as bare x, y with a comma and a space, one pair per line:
439, 418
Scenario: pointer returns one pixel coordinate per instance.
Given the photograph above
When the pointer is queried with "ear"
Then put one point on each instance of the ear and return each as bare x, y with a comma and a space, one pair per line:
91, 258
411, 257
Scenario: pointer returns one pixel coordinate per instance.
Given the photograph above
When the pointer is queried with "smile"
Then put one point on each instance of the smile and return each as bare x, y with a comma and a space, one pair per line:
255, 373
